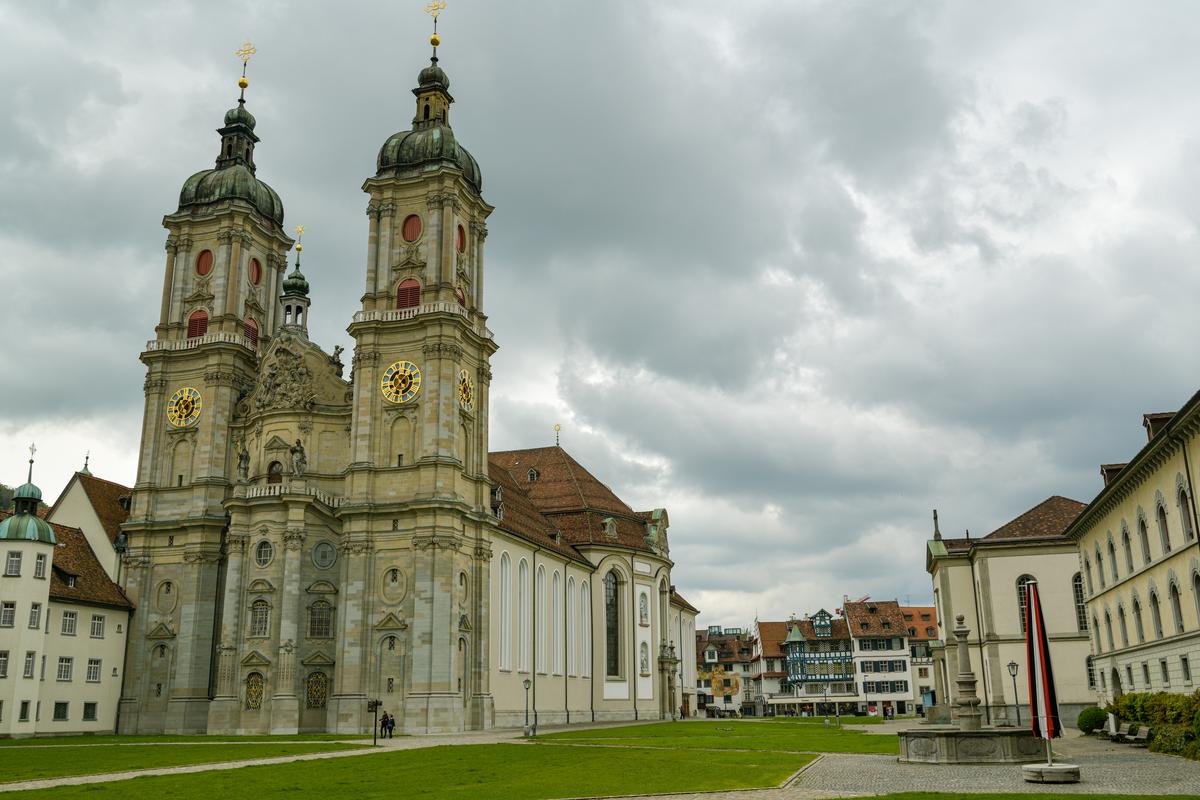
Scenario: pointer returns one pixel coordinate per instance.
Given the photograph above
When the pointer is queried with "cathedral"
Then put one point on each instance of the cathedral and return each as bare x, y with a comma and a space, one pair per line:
305, 537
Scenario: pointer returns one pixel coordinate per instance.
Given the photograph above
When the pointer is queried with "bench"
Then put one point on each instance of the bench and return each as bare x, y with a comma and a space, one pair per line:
1141, 738
1123, 732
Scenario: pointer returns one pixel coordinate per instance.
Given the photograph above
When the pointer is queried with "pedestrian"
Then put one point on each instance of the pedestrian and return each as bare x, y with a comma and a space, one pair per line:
383, 725
391, 725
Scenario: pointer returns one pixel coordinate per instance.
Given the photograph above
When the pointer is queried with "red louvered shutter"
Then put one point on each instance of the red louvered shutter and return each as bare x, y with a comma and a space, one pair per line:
462, 239
412, 228
408, 294
250, 329
197, 324
255, 271
204, 262
461, 295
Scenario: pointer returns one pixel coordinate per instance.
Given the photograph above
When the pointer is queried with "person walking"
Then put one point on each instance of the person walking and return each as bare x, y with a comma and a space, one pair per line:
391, 726
383, 725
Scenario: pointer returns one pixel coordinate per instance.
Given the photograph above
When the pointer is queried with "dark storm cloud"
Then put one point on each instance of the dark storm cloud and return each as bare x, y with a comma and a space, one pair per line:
800, 272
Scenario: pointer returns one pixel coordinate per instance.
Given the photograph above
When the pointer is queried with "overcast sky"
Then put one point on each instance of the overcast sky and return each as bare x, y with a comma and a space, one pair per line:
798, 272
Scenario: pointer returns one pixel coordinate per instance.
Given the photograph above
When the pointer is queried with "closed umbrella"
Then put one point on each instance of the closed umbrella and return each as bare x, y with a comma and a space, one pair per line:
1043, 701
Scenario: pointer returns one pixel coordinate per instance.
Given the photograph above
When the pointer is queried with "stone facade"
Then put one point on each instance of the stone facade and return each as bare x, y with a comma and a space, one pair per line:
303, 540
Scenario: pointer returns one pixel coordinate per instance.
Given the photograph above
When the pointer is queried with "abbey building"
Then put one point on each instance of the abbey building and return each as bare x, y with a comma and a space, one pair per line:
305, 536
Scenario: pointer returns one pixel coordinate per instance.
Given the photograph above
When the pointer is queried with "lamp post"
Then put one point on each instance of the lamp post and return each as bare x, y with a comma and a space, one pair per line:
1012, 673
527, 683
826, 703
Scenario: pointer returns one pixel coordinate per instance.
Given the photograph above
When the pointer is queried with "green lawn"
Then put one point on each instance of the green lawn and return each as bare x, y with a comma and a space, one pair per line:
469, 772
995, 796
60, 741
846, 720
36, 763
735, 735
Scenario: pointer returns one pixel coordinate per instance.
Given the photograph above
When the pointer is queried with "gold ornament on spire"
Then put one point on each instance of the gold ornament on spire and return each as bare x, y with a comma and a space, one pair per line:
433, 9
299, 238
244, 52
557, 428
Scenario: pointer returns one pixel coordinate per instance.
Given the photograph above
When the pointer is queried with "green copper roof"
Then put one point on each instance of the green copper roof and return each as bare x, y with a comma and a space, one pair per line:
26, 527
234, 182
29, 491
429, 147
433, 76
295, 283
794, 635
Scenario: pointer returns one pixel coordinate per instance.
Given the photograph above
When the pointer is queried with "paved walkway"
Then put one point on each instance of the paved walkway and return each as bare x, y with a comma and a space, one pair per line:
1107, 769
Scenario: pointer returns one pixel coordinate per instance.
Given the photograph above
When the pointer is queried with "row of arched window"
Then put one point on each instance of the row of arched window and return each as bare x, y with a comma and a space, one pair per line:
557, 615
320, 619
316, 690
1076, 595
1157, 626
1109, 551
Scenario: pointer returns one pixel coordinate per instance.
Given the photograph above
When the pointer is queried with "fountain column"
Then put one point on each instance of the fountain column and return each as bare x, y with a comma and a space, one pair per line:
968, 713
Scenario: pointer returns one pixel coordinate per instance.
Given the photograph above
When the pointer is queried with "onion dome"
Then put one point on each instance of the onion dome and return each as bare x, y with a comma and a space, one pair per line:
430, 143
25, 524
295, 282
233, 178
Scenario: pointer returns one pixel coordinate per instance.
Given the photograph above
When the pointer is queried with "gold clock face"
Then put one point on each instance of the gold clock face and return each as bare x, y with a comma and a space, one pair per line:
401, 382
184, 407
466, 390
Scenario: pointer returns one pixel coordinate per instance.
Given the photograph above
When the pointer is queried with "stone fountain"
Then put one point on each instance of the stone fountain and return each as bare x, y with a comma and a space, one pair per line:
968, 741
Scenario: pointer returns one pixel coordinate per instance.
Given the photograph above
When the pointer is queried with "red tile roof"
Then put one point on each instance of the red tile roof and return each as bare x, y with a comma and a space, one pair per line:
521, 518
837, 629
110, 501
73, 558
865, 622
922, 617
678, 600
770, 637
1051, 517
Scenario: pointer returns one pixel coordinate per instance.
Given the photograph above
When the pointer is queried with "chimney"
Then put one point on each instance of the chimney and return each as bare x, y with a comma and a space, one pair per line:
1154, 423
1110, 471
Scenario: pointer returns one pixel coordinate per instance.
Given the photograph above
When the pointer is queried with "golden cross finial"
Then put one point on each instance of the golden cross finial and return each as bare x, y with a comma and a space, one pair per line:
299, 238
435, 8
245, 51
557, 428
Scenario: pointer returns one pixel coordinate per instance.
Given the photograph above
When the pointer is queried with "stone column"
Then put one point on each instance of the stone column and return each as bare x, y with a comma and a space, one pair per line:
184, 268
482, 704
372, 253
233, 283
223, 711
136, 571
479, 231
448, 232
285, 708
168, 283
434, 703
350, 698
187, 705
968, 713
433, 254
385, 257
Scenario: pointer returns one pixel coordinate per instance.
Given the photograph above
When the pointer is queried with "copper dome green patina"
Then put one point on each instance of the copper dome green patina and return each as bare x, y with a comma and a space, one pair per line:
233, 178
25, 525
431, 142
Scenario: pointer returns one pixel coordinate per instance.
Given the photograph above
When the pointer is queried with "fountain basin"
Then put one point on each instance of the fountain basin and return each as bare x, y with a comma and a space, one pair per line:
948, 744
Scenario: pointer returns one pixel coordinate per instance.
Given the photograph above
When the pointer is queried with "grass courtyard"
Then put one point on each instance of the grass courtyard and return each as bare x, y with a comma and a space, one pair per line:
48, 761
735, 735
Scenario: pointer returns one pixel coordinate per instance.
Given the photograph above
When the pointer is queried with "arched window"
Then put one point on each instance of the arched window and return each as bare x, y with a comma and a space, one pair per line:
1096, 630
1122, 626
411, 230
197, 324
204, 262
585, 629
320, 620
408, 293
461, 296
542, 622
316, 690
1128, 548
1176, 606
275, 472
1163, 531
460, 239
1087, 570
523, 616
1023, 597
1185, 516
254, 690
1100, 567
1080, 602
1090, 665
612, 625
260, 618
1144, 539
1108, 631
1112, 560
255, 271
1156, 615
572, 632
425, 114
1138, 628
505, 612
556, 661
250, 331
1196, 592
263, 553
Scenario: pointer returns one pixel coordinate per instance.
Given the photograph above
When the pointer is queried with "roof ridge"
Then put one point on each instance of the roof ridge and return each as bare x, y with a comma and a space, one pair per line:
104, 480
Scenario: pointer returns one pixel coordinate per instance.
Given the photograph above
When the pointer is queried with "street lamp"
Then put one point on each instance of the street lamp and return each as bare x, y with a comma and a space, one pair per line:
1012, 673
527, 683
827, 703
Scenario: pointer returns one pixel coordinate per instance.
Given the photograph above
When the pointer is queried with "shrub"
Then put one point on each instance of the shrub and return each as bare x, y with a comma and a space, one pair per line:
1091, 719
1172, 739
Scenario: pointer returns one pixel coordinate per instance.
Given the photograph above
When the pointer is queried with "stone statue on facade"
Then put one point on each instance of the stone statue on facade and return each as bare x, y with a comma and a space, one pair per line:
299, 459
336, 359
243, 463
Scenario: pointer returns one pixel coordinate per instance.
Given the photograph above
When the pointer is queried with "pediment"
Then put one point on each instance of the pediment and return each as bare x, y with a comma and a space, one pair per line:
391, 622
255, 659
161, 631
260, 586
200, 295
322, 587
464, 624
297, 375
318, 659
276, 442
254, 307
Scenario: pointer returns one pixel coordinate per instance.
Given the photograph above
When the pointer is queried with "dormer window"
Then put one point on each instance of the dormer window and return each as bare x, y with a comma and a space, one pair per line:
610, 527
532, 475
71, 581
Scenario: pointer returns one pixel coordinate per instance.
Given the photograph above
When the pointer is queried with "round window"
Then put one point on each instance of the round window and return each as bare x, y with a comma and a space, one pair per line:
166, 597
412, 228
263, 553
255, 271
204, 262
461, 240
324, 555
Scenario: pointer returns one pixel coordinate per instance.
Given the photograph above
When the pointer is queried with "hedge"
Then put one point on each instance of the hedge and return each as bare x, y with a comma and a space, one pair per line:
1173, 719
1091, 719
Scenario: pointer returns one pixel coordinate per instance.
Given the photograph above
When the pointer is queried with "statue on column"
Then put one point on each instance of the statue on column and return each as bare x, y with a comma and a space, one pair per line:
299, 460
243, 463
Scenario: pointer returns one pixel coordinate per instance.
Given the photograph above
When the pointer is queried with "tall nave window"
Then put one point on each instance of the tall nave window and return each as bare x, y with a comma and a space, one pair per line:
612, 626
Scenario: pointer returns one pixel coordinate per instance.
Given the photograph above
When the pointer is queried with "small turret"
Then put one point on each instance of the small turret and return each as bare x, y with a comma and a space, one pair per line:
294, 299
